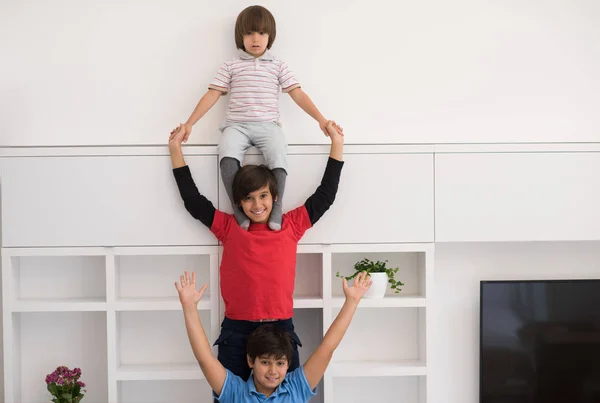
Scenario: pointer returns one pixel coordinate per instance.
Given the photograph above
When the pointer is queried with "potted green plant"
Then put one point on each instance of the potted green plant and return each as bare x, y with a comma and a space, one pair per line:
64, 385
381, 275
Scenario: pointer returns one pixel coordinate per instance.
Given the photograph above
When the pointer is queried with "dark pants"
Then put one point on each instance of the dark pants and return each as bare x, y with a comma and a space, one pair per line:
233, 339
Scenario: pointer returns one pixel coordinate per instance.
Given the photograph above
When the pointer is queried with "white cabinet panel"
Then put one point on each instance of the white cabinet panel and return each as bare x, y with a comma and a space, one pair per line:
82, 201
517, 197
381, 198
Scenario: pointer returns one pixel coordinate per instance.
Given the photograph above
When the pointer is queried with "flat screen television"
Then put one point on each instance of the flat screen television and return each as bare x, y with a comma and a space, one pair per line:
539, 341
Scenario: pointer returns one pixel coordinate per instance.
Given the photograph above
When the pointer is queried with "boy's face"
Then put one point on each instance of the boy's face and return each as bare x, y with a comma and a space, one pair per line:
257, 205
268, 372
255, 43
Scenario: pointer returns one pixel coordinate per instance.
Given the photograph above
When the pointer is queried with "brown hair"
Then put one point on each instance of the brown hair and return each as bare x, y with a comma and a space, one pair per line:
270, 340
250, 178
254, 19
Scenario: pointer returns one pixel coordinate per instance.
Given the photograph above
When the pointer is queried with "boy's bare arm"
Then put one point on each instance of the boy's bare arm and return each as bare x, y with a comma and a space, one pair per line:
319, 360
208, 100
189, 297
306, 104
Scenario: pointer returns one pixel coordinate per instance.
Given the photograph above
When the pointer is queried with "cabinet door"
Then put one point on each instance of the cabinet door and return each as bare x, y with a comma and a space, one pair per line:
517, 197
109, 200
381, 197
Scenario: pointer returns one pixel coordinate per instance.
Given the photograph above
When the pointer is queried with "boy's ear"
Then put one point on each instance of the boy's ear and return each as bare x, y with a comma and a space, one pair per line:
250, 361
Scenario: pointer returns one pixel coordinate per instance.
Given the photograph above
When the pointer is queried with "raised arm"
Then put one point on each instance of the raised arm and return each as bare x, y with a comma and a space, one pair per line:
306, 104
189, 297
208, 100
317, 204
319, 360
195, 203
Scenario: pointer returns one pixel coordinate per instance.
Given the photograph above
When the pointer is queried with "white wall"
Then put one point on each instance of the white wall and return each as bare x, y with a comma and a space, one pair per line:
458, 270
81, 72
84, 72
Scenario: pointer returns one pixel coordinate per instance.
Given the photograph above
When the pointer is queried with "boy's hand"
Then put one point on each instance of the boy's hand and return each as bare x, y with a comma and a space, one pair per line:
334, 132
177, 136
362, 282
188, 295
187, 130
323, 125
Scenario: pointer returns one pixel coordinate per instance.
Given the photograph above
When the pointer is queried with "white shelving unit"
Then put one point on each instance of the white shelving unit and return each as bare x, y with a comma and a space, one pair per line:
119, 306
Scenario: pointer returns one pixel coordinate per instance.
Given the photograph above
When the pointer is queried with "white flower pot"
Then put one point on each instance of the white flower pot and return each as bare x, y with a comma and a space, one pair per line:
379, 286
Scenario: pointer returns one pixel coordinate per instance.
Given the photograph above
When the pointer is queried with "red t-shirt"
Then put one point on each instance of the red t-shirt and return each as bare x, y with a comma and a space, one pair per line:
258, 268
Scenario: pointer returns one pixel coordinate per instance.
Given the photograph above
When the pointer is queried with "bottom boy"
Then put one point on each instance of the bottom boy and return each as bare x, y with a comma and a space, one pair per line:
268, 352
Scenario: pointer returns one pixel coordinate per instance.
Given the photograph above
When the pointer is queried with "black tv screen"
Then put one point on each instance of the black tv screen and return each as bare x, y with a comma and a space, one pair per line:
540, 341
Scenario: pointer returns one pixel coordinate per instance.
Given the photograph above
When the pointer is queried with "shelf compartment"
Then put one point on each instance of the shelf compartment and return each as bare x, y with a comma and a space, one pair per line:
309, 276
60, 305
156, 304
406, 389
411, 264
150, 391
45, 340
152, 277
155, 338
376, 369
386, 302
58, 278
403, 339
159, 372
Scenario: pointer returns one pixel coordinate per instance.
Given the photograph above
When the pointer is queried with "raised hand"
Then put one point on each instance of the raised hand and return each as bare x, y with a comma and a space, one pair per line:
334, 132
177, 136
188, 295
324, 123
187, 130
362, 282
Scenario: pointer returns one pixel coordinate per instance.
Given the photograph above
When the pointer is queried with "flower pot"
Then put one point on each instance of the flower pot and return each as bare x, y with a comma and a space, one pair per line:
379, 286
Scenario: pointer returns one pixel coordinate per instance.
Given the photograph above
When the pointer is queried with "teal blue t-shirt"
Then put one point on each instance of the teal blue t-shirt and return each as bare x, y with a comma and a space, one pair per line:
293, 389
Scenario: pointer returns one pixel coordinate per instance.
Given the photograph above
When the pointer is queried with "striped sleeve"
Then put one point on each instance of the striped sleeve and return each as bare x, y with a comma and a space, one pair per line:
222, 80
286, 78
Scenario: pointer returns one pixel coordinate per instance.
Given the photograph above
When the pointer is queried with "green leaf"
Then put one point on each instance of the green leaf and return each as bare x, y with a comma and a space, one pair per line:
52, 389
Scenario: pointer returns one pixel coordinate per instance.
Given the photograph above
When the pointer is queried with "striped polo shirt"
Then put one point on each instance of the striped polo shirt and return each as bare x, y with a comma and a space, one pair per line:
253, 85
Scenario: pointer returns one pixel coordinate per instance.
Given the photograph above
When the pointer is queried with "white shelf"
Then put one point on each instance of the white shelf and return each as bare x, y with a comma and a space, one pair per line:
386, 302
127, 307
362, 369
300, 303
159, 372
155, 304
59, 305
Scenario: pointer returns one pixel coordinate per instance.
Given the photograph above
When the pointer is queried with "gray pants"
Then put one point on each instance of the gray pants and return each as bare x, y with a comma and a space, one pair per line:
266, 136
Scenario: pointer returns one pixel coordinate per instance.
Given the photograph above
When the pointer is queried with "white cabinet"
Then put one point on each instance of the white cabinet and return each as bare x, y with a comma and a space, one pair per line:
381, 197
92, 201
114, 312
517, 197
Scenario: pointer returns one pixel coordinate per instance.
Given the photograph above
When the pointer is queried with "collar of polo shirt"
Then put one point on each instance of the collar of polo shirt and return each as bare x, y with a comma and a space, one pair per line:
267, 56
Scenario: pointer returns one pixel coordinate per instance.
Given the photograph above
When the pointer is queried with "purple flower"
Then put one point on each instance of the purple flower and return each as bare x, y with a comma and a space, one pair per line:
64, 381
